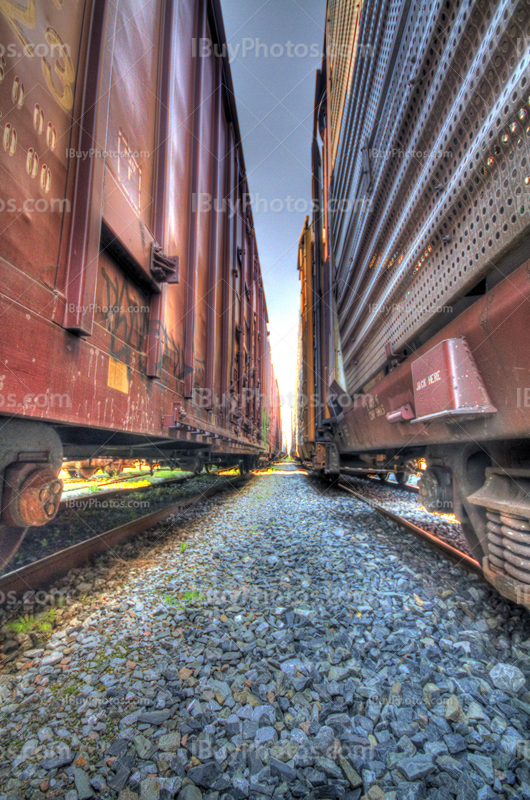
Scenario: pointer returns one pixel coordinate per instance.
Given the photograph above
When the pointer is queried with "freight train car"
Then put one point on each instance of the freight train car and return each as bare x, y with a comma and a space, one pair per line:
271, 423
132, 313
416, 270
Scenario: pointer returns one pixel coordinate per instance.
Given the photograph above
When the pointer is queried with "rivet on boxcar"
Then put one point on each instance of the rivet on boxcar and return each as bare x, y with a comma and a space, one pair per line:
51, 136
10, 139
45, 178
18, 92
32, 163
505, 138
38, 118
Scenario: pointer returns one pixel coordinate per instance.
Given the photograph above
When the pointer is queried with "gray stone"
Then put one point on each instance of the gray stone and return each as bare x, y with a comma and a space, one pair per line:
51, 660
60, 761
324, 741
144, 747
118, 748
507, 678
249, 728
466, 789
411, 791
150, 789
204, 774
453, 709
284, 771
169, 743
119, 779
240, 788
154, 717
483, 765
351, 775
190, 793
329, 768
455, 742
450, 765
416, 768
82, 784
264, 735
393, 759
314, 777
435, 749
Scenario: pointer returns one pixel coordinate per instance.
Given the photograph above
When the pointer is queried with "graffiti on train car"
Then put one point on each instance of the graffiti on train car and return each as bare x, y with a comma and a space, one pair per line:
200, 373
125, 317
172, 361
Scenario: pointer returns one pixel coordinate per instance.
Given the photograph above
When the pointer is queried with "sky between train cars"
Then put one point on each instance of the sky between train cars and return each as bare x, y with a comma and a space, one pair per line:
275, 50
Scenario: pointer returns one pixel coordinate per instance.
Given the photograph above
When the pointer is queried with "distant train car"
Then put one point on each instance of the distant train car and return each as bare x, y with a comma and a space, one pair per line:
133, 317
271, 432
415, 270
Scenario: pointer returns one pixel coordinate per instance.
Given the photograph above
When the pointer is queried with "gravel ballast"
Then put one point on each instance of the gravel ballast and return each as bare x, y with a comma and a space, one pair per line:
284, 642
407, 504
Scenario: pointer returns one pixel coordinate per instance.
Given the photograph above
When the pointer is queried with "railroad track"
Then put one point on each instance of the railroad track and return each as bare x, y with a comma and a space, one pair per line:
373, 478
461, 558
454, 553
79, 500
42, 573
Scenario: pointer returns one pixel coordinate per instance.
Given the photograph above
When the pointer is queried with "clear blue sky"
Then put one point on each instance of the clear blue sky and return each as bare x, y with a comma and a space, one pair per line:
276, 50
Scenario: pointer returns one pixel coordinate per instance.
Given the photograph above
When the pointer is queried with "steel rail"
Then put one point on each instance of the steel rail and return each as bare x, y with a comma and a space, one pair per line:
434, 541
41, 574
369, 475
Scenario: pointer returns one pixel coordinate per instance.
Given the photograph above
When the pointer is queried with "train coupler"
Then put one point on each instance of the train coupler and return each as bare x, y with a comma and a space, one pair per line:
327, 458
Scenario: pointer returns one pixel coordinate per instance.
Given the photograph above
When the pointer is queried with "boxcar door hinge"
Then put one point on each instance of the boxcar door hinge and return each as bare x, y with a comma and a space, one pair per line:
393, 358
164, 268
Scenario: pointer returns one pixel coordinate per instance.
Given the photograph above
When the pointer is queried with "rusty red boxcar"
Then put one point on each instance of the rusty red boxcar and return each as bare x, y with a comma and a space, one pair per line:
132, 312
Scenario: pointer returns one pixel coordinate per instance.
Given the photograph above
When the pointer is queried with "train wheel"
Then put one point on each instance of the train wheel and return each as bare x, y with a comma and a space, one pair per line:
72, 473
10, 541
401, 478
243, 467
383, 477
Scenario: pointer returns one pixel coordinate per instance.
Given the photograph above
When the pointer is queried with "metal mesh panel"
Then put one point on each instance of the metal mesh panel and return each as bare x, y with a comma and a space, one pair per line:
343, 20
465, 107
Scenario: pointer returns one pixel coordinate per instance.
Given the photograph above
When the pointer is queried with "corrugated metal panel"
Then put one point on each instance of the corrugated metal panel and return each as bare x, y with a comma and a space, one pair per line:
449, 149
343, 30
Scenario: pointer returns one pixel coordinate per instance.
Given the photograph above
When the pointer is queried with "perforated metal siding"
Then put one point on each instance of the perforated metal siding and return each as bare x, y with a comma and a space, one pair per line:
343, 28
464, 104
